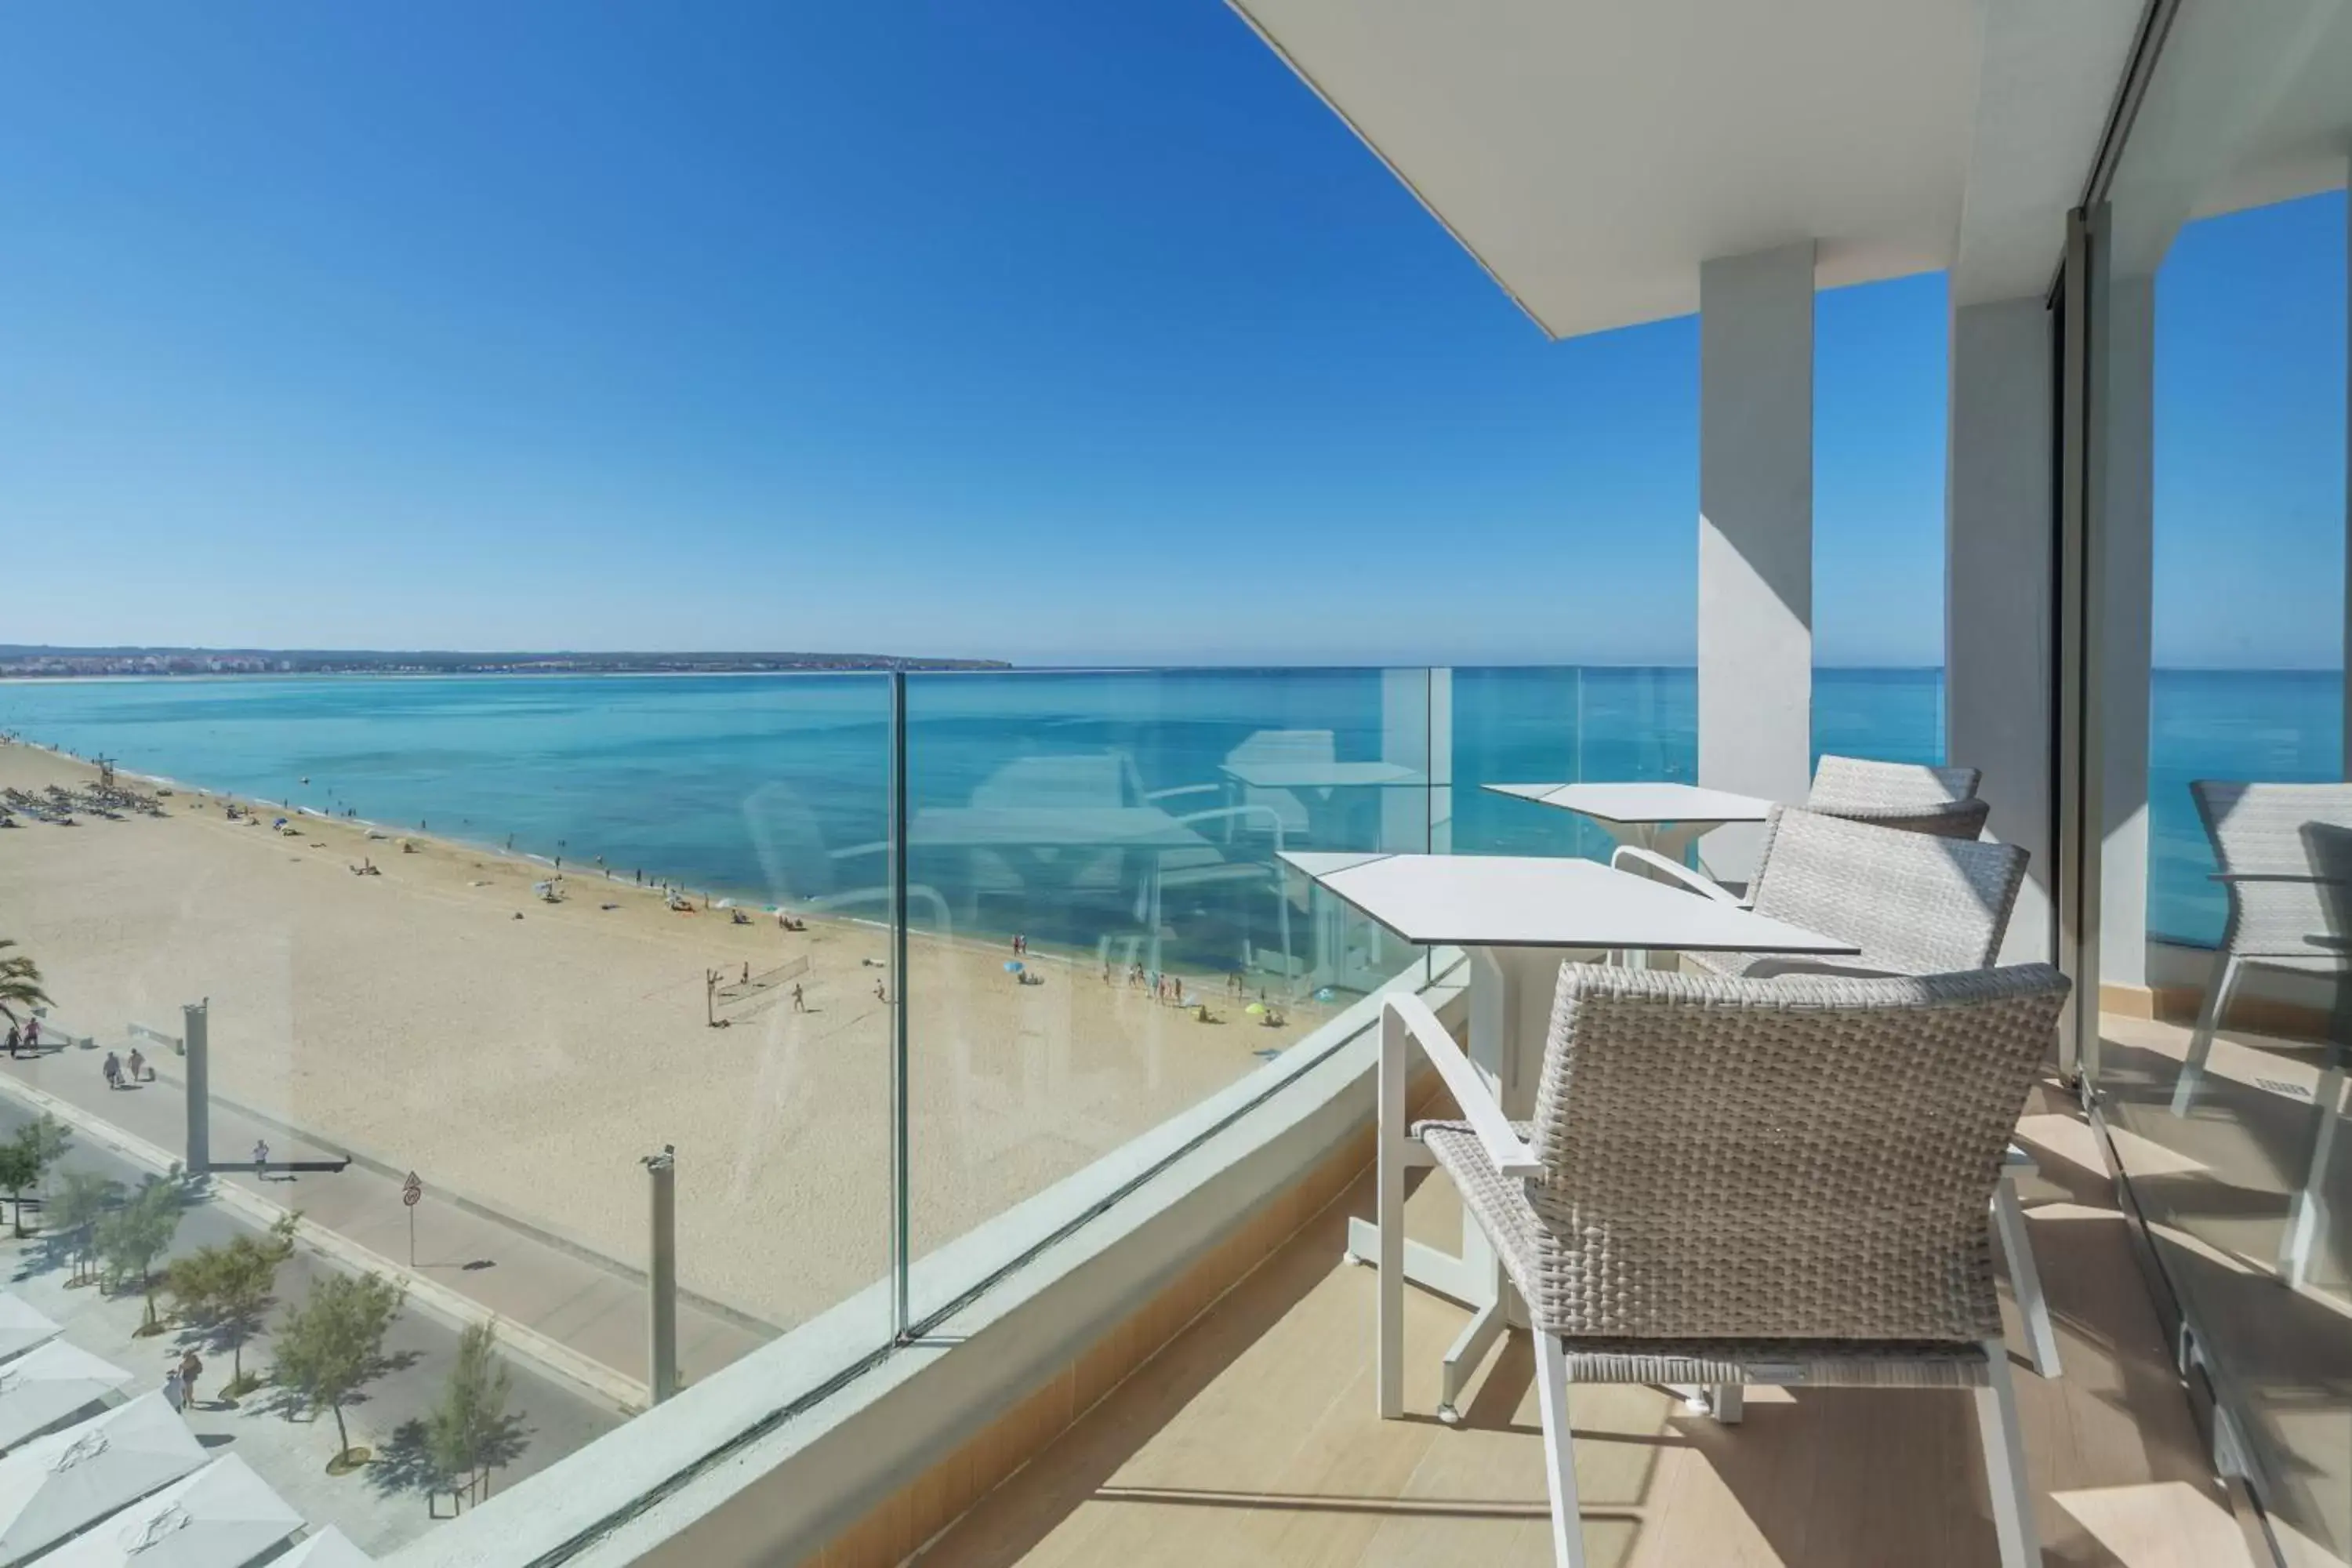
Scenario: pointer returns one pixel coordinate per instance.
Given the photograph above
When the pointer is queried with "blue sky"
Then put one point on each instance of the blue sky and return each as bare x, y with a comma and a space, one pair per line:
1049, 333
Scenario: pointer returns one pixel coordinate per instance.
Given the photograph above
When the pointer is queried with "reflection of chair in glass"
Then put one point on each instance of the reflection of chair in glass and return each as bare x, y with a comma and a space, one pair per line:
1191, 879
806, 870
1041, 789
1908, 795
1731, 1182
1914, 903
2328, 849
2278, 917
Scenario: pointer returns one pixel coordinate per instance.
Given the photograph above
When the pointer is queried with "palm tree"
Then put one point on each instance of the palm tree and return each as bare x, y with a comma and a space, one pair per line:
20, 983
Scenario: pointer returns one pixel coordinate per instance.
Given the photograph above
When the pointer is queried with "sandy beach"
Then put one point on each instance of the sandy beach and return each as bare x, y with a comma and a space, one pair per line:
527, 1062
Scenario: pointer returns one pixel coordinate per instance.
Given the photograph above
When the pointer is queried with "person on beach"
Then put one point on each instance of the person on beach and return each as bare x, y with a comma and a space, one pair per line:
260, 1161
192, 1367
113, 1068
138, 1065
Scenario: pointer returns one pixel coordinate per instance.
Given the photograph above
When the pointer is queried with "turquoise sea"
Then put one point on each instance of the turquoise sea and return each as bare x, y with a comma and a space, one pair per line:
769, 787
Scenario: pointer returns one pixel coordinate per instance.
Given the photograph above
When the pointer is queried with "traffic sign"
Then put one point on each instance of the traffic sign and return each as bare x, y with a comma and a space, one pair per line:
411, 1192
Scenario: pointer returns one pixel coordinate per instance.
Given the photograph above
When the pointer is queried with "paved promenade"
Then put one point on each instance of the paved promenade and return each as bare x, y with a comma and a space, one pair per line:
582, 1319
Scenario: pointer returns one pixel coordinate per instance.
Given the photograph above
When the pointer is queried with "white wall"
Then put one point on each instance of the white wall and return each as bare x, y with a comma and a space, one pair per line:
1998, 591
1755, 533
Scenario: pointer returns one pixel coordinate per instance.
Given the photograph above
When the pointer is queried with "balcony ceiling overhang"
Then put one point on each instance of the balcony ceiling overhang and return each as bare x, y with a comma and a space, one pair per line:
1592, 154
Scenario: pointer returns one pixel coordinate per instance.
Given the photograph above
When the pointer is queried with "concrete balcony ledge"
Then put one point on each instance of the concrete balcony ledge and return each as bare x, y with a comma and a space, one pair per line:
825, 1443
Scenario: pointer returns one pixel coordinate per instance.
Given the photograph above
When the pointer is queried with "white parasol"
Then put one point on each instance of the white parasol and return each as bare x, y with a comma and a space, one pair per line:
224, 1516
55, 1485
42, 1387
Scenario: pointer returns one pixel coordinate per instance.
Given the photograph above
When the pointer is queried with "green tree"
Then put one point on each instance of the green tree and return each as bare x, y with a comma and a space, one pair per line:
48, 1139
331, 1346
228, 1289
83, 1199
20, 1167
132, 1236
469, 1432
20, 983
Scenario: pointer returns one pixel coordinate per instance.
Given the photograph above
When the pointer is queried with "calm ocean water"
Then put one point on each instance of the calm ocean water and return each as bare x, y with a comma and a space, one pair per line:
768, 786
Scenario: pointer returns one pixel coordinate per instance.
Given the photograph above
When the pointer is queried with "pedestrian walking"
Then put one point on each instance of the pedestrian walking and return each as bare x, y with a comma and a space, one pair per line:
32, 1036
880, 994
113, 1068
138, 1065
260, 1161
15, 1039
799, 1005
192, 1367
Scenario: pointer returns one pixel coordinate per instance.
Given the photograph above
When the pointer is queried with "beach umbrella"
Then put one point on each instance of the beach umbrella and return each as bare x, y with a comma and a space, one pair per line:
1012, 966
224, 1516
57, 1486
724, 904
41, 1388
22, 1327
330, 1548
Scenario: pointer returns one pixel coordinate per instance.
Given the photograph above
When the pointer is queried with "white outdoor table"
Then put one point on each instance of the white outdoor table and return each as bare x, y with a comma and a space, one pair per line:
1661, 818
1515, 916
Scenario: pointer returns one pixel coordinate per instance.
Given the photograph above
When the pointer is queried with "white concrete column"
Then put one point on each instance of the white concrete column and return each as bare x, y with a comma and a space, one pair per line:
1999, 596
1755, 534
2348, 510
2125, 387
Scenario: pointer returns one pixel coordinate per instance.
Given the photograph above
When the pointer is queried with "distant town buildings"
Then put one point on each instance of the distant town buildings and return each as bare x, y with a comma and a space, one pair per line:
21, 661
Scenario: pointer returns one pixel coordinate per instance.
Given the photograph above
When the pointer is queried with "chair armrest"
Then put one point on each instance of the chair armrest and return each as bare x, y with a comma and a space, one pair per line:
1408, 1018
1641, 862
1231, 812
1159, 794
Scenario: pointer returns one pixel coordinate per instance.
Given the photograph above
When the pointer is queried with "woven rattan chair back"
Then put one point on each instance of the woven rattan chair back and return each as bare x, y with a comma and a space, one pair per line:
1914, 903
1808, 1158
1908, 795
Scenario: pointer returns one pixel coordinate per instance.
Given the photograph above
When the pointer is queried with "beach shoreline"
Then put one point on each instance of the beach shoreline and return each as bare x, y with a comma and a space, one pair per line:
527, 1053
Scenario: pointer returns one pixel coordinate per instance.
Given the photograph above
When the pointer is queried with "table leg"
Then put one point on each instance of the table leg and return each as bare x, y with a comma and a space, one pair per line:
1503, 984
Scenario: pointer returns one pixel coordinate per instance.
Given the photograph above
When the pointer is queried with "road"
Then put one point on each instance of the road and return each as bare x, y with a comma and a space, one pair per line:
556, 1419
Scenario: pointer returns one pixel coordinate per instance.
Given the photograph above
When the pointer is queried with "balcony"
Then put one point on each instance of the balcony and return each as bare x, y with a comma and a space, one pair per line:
1251, 1437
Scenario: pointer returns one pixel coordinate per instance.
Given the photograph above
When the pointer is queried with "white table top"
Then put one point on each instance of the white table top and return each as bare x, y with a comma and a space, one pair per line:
1643, 802
1513, 901
1318, 775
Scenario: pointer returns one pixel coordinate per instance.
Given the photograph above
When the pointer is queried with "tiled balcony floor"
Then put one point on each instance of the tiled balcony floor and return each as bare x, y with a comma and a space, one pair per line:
1251, 1438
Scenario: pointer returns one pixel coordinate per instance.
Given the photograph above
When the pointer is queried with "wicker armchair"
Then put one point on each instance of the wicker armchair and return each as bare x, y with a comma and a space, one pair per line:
1732, 1181
2281, 916
1908, 795
1916, 904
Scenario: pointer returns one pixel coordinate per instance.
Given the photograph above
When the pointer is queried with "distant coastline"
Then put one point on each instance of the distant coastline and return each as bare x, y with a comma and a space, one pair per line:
39, 662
